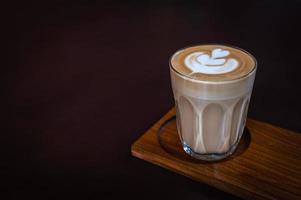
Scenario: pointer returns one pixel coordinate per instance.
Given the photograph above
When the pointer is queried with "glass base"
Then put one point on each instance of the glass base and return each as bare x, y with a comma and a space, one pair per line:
209, 156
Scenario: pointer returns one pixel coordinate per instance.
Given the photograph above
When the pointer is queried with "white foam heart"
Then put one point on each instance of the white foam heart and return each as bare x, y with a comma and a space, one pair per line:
199, 62
206, 60
219, 53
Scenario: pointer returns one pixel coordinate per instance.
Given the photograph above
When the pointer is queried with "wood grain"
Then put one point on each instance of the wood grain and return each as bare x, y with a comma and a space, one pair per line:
266, 165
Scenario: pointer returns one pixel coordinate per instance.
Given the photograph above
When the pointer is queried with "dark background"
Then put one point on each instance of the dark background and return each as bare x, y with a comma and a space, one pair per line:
83, 80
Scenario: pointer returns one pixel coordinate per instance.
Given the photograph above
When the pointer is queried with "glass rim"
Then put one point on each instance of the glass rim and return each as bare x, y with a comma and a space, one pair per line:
208, 81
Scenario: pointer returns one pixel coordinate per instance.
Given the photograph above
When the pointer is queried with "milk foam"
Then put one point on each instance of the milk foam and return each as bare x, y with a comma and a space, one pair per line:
216, 63
213, 62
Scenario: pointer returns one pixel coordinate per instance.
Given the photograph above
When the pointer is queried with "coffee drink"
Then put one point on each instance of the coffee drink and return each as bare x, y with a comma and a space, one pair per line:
212, 85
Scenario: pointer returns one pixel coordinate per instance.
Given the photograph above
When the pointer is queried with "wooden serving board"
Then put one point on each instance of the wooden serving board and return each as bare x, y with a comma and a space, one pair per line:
266, 164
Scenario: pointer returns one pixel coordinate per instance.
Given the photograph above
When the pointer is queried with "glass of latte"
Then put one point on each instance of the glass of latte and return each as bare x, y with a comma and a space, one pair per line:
212, 86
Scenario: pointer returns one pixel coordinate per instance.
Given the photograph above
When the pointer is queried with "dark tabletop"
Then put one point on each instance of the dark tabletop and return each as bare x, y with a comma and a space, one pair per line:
85, 79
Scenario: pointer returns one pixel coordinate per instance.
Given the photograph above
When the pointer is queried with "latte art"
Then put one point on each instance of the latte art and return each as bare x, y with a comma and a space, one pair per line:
212, 62
216, 63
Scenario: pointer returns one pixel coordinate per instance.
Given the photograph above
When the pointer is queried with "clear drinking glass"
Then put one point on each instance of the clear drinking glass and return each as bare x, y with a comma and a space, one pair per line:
211, 115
